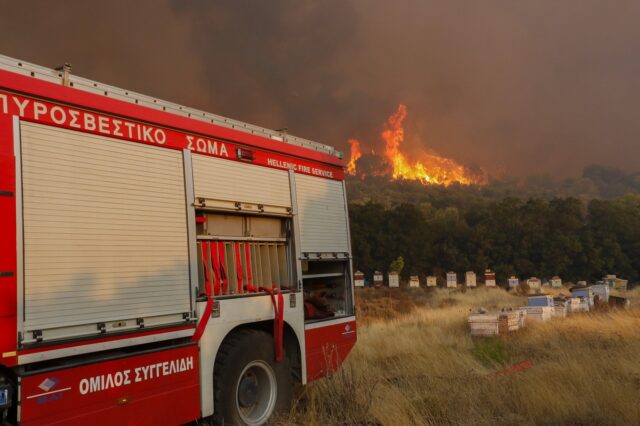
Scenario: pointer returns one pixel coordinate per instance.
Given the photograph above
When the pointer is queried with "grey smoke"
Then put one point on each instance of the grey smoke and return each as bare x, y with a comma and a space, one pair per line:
516, 86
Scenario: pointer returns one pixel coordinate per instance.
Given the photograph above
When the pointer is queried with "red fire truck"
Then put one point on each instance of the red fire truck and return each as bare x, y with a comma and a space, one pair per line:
160, 264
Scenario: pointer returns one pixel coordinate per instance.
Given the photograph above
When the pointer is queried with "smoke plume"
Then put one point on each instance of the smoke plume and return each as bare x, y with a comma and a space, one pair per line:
514, 87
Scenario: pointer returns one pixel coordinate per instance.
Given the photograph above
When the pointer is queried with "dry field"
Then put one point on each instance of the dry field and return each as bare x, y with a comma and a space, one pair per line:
415, 364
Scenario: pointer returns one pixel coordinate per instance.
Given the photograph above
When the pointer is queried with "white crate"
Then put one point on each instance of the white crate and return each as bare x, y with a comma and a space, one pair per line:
484, 324
560, 310
522, 317
577, 304
539, 313
509, 321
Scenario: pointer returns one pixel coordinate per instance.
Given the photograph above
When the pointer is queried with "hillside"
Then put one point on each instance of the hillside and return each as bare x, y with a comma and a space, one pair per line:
523, 232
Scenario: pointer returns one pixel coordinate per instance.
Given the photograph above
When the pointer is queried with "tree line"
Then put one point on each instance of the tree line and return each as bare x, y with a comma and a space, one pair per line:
574, 238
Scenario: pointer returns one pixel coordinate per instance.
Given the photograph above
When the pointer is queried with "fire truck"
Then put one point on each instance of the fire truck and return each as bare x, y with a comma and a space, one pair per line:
160, 264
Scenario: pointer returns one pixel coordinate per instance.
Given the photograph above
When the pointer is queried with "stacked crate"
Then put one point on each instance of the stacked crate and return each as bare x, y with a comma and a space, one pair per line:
522, 317
508, 321
540, 313
573, 305
560, 308
484, 324
578, 304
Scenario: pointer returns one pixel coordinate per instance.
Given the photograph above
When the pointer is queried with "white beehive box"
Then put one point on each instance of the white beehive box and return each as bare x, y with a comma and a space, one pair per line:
358, 279
489, 278
522, 316
394, 280
414, 281
534, 283
539, 313
602, 292
560, 309
555, 282
513, 282
584, 292
470, 279
432, 281
578, 304
573, 305
452, 280
484, 324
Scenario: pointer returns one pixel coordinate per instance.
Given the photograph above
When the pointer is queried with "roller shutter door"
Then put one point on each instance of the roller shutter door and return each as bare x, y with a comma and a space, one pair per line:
227, 180
323, 216
105, 233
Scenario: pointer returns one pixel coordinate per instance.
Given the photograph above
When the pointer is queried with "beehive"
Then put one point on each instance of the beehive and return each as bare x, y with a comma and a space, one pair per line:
573, 304
555, 282
539, 313
534, 283
394, 279
560, 309
601, 292
414, 281
489, 278
484, 324
508, 321
378, 278
452, 280
513, 282
577, 304
586, 293
522, 317
432, 281
470, 279
541, 300
358, 279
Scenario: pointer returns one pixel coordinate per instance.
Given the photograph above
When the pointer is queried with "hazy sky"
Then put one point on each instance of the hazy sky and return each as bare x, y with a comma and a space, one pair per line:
538, 86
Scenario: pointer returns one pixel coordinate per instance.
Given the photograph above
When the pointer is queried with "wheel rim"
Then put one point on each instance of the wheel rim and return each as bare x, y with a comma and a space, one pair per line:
256, 392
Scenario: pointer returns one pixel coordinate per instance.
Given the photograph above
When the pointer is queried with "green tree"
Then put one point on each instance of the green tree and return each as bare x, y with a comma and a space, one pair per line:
397, 265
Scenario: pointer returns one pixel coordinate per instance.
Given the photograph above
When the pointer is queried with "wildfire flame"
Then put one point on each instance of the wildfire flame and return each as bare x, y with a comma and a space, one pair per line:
355, 155
428, 169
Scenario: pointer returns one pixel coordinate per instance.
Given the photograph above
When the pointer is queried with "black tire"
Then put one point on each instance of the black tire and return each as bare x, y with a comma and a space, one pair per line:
242, 381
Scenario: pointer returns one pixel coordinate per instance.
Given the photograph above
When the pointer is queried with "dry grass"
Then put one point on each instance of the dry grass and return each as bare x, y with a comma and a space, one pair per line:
420, 367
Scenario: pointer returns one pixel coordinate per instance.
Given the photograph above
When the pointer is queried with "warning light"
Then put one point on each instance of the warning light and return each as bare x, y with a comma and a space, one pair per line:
244, 154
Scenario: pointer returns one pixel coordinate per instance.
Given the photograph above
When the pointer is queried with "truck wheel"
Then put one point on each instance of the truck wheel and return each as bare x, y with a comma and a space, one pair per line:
249, 385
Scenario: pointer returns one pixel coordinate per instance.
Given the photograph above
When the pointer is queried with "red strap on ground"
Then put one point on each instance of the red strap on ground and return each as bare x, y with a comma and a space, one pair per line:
239, 273
516, 368
278, 321
223, 272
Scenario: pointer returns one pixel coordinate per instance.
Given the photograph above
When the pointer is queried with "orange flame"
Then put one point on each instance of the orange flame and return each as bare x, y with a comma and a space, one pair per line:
431, 168
355, 155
